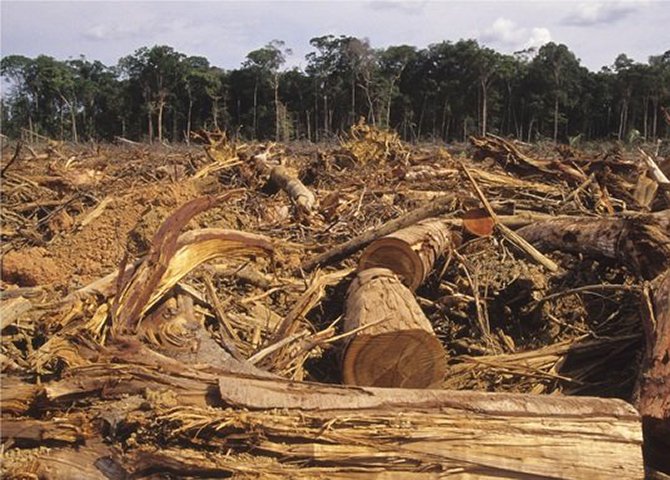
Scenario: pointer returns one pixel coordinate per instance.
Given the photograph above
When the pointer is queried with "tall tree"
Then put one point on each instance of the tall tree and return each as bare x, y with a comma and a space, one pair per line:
265, 63
158, 70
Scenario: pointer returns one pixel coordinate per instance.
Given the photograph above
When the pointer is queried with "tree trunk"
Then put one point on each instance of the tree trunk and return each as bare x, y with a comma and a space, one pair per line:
411, 252
276, 428
645, 122
621, 120
484, 107
640, 242
556, 119
188, 120
159, 121
277, 119
150, 128
215, 112
73, 119
352, 115
654, 125
396, 346
325, 114
255, 119
654, 402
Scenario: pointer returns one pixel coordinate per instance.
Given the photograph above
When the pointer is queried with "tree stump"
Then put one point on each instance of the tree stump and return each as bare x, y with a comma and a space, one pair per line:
398, 347
411, 252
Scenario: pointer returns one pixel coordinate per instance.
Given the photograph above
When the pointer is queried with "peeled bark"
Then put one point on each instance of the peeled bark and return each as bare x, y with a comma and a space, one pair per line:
396, 345
283, 179
411, 252
295, 189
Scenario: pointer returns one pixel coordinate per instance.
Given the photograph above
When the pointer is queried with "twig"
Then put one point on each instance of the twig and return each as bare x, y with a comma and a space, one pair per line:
512, 236
228, 333
588, 289
258, 356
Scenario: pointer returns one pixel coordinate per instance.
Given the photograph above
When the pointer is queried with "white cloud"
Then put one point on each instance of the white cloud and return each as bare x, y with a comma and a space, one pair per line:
506, 33
538, 37
102, 32
594, 13
503, 31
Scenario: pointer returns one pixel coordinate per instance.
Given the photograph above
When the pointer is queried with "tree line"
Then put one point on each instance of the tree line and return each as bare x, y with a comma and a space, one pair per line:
445, 92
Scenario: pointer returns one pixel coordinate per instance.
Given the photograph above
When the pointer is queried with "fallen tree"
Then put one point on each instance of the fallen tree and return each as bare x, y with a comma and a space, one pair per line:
395, 345
411, 252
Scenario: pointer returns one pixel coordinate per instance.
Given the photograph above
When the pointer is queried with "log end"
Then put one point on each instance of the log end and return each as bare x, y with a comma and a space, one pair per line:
405, 358
397, 256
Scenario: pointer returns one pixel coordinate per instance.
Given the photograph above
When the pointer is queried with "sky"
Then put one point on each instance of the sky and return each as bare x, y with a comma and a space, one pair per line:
225, 31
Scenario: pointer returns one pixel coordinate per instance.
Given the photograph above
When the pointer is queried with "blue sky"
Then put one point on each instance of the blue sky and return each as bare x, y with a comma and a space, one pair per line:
225, 31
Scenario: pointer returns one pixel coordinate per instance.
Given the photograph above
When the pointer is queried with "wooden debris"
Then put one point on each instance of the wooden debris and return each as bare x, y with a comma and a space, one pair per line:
281, 177
161, 368
436, 208
640, 244
395, 345
655, 380
411, 252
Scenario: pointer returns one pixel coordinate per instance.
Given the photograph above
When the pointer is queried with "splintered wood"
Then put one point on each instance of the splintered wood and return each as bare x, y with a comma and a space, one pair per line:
494, 310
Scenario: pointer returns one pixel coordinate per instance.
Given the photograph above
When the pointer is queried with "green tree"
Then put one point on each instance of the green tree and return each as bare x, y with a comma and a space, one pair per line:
158, 70
265, 63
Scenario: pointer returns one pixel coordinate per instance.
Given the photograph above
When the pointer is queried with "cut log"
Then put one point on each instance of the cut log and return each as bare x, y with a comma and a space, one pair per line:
295, 189
395, 345
438, 207
411, 252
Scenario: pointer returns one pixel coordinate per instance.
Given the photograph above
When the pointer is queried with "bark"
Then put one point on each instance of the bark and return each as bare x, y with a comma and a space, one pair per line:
638, 242
654, 402
395, 345
411, 252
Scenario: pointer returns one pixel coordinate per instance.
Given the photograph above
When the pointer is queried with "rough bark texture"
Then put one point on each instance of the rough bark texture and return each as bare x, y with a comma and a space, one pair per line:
397, 347
635, 241
655, 383
411, 252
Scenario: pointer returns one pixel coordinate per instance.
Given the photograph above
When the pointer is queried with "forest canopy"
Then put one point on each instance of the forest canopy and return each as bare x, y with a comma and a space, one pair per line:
445, 92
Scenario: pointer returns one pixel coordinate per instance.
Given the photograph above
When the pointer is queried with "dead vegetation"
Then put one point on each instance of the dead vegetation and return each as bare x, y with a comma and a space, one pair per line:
161, 307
